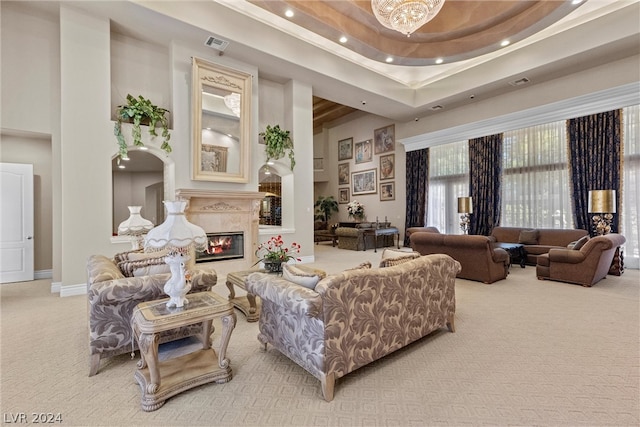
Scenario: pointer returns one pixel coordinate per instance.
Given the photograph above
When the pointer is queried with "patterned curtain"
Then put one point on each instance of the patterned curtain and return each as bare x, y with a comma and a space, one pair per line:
417, 184
485, 178
594, 161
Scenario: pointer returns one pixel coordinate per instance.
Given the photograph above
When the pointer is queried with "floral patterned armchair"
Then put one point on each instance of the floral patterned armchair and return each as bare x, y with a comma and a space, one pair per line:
112, 298
355, 317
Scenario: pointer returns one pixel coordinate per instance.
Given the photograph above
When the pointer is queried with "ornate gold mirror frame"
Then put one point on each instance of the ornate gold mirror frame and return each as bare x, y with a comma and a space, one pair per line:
221, 112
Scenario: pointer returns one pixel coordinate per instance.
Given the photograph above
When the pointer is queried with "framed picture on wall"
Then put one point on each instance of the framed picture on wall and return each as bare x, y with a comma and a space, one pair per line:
364, 151
387, 166
364, 182
387, 191
343, 195
385, 139
343, 173
345, 149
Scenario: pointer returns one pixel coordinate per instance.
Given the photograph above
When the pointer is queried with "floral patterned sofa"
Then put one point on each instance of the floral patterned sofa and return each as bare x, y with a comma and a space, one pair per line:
355, 317
112, 298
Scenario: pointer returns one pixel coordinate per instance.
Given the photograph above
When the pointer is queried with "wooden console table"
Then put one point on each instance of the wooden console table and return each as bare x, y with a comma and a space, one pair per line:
162, 380
375, 232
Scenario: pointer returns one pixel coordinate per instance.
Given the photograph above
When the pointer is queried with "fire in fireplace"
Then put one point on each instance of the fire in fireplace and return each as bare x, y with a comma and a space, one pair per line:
222, 246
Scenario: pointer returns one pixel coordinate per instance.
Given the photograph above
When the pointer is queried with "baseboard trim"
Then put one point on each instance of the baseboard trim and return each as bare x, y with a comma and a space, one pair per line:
73, 290
43, 274
55, 287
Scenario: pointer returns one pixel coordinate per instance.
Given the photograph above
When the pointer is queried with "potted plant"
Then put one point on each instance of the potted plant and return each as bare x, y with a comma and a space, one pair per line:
325, 206
278, 142
273, 253
140, 111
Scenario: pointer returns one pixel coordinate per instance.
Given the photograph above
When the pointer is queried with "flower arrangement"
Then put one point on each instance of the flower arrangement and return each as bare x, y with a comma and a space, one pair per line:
355, 209
273, 251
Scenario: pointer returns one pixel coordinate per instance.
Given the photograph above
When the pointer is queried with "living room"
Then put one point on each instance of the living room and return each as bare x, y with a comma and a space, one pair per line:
65, 69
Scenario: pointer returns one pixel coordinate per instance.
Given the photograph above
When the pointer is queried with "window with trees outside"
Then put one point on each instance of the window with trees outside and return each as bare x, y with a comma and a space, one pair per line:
630, 223
448, 180
535, 183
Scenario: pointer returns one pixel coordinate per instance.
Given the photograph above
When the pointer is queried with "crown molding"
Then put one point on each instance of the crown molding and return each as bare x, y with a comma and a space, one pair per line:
596, 102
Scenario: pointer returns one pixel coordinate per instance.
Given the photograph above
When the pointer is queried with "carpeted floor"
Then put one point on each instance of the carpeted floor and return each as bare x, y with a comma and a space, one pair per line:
525, 353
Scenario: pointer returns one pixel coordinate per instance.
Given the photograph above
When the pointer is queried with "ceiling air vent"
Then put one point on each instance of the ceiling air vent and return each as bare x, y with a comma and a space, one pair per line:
520, 82
216, 43
437, 107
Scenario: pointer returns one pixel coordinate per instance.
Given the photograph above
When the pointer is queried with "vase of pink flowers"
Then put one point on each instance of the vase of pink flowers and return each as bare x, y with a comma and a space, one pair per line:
273, 253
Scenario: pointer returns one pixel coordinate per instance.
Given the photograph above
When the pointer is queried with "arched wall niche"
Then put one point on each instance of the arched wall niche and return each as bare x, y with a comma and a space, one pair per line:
147, 180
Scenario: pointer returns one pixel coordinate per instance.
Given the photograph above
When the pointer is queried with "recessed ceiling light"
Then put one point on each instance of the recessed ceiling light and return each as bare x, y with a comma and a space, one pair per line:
343, 39
126, 159
143, 148
389, 59
574, 2
505, 43
439, 61
121, 166
288, 13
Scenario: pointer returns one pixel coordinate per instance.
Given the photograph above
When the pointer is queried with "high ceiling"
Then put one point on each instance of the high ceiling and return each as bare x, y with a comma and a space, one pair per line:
461, 30
549, 39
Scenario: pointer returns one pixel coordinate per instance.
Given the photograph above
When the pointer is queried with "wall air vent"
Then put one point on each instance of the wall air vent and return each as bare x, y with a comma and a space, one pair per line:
437, 107
216, 43
520, 82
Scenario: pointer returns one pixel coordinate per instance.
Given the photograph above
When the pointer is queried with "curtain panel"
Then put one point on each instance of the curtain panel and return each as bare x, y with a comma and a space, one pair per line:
485, 178
594, 162
417, 181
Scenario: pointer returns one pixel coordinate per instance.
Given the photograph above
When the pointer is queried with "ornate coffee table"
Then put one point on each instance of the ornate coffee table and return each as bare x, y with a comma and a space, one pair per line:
162, 380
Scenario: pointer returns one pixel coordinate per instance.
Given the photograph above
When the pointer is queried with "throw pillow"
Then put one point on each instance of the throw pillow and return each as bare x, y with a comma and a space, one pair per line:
362, 266
137, 256
391, 257
300, 276
144, 267
124, 256
528, 237
580, 243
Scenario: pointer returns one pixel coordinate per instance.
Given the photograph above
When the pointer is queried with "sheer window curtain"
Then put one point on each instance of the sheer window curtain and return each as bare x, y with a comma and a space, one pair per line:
535, 185
448, 180
629, 220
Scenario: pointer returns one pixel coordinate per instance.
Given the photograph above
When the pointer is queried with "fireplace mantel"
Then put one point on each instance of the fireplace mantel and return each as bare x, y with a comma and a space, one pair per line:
226, 211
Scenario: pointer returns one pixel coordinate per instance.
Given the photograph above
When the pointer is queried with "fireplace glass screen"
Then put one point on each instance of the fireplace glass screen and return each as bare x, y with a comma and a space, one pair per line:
222, 246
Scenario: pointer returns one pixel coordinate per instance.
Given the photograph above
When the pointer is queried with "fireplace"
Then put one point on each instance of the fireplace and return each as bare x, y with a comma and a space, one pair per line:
222, 246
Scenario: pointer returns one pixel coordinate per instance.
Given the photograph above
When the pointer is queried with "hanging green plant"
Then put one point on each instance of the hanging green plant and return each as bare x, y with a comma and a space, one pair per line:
278, 142
140, 111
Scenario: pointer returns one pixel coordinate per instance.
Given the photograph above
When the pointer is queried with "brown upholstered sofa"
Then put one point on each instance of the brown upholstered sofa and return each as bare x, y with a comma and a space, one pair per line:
479, 260
112, 299
355, 317
585, 266
537, 241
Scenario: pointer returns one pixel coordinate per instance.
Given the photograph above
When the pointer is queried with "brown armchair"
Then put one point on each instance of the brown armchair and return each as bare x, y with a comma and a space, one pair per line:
585, 266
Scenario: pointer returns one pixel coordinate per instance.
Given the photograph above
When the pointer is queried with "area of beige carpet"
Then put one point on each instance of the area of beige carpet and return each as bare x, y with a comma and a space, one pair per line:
525, 352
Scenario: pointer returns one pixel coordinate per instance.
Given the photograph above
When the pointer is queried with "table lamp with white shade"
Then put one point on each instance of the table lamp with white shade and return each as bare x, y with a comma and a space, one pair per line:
180, 237
135, 226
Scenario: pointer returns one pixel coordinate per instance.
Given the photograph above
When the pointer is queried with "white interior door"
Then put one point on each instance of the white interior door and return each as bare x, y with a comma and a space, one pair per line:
16, 222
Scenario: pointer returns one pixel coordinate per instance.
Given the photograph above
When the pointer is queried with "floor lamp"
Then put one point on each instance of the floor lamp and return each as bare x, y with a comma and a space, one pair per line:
602, 203
465, 207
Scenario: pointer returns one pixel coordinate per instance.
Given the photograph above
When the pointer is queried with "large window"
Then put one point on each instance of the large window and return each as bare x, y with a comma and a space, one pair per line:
630, 226
448, 180
535, 185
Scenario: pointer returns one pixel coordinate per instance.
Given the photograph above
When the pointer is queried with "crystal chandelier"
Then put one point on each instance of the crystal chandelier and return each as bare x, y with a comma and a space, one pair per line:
405, 16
